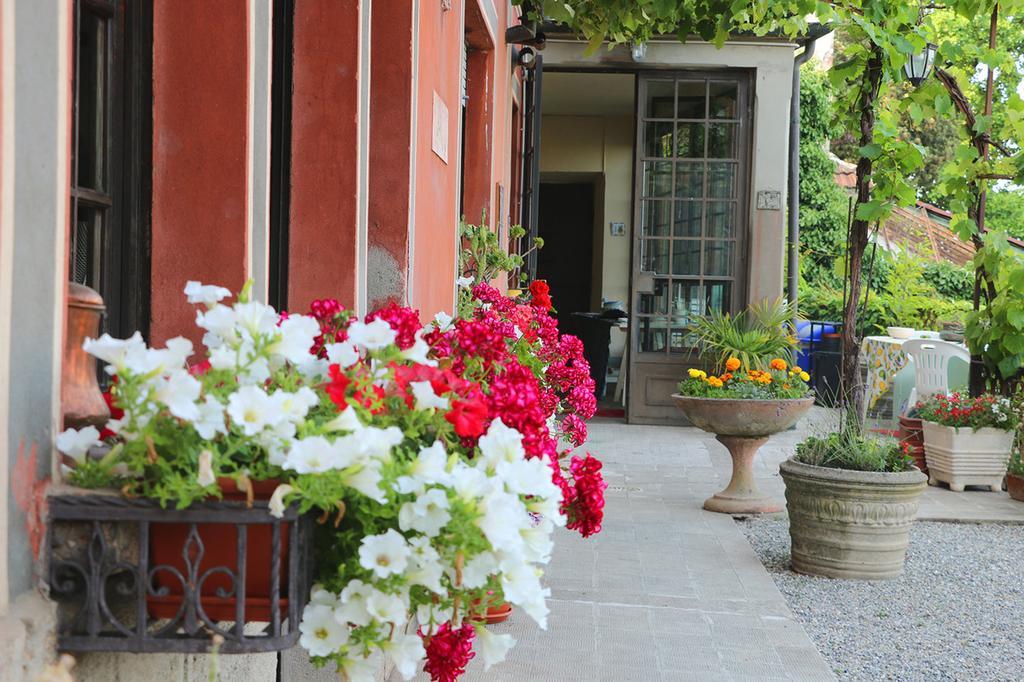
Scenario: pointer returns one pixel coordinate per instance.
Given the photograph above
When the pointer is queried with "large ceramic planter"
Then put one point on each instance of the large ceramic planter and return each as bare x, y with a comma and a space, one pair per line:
1015, 486
850, 524
742, 426
965, 456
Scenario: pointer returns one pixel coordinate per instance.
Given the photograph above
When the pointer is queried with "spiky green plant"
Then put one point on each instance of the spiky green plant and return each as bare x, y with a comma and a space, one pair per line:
755, 336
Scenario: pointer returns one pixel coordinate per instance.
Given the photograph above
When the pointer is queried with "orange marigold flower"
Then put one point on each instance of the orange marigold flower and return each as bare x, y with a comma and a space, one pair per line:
715, 382
732, 364
779, 364
726, 377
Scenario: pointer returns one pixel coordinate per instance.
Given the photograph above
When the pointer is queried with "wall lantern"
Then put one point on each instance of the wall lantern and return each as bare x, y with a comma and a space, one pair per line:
919, 65
526, 58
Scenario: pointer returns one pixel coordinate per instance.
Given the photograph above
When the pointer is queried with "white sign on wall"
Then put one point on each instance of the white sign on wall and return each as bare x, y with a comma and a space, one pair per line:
439, 136
769, 200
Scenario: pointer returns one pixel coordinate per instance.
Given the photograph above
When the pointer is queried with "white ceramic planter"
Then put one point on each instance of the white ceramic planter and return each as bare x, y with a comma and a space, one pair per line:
965, 456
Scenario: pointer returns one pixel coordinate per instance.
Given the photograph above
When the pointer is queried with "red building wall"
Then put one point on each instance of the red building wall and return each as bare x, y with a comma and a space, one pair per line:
200, 155
323, 259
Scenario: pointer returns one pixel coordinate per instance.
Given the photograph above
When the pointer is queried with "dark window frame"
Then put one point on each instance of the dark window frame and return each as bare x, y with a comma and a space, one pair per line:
120, 255
280, 150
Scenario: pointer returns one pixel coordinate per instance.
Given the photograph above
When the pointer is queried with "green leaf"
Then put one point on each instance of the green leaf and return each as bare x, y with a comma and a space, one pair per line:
870, 211
870, 151
1009, 365
943, 104
1015, 316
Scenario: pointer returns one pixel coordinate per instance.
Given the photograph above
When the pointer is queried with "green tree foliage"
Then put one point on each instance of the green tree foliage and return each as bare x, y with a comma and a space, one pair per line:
1004, 210
823, 204
949, 281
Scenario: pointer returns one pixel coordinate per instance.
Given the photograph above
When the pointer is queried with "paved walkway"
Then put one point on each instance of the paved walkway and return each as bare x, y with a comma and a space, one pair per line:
668, 591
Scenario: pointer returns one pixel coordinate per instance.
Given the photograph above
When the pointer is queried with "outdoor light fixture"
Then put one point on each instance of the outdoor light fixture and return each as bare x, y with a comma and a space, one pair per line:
527, 58
919, 65
638, 51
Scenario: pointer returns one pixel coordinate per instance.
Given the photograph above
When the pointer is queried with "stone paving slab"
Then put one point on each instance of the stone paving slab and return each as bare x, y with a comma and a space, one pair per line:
666, 591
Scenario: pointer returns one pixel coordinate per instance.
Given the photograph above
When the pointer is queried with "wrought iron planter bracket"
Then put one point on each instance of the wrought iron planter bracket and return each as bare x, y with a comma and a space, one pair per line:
104, 588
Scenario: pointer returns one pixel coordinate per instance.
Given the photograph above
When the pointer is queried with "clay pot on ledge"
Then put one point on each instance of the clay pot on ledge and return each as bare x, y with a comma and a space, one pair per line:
219, 549
80, 396
912, 434
1015, 486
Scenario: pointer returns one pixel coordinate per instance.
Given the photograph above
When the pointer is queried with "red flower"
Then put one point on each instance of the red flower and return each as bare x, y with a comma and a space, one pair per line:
448, 652
586, 509
540, 293
115, 412
405, 322
469, 417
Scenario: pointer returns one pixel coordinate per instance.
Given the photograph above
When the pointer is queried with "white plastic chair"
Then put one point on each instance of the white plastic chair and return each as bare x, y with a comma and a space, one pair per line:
931, 366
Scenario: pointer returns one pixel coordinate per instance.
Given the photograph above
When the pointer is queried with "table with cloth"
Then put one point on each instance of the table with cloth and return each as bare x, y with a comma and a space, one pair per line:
885, 358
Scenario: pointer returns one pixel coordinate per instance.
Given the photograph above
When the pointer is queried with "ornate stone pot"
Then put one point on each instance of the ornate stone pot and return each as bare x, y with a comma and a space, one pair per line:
742, 426
850, 524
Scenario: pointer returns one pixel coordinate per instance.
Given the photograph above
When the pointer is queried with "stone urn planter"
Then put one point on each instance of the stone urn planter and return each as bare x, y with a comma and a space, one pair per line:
742, 426
1015, 486
964, 456
850, 524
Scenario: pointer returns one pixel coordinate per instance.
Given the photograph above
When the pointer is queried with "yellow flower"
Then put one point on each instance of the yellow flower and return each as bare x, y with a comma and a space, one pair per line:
694, 373
804, 376
732, 364
779, 364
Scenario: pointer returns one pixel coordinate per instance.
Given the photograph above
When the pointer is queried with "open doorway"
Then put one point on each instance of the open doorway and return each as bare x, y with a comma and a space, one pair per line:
566, 224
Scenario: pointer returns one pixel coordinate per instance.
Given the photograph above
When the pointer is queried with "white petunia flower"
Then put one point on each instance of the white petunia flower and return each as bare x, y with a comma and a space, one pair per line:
322, 635
277, 499
419, 351
367, 481
320, 595
210, 421
371, 335
176, 352
493, 648
537, 541
430, 466
500, 444
387, 608
528, 477
293, 407
179, 391
296, 336
342, 353
478, 569
219, 322
347, 420
361, 668
205, 476
425, 398
251, 409
503, 516
352, 604
384, 554
311, 456
469, 483
407, 653
520, 584
75, 443
428, 514
257, 319
427, 569
443, 321
431, 616
464, 282
117, 353
548, 508
378, 443
207, 294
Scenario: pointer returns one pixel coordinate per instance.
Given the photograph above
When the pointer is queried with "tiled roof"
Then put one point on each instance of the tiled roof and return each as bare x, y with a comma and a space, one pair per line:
913, 229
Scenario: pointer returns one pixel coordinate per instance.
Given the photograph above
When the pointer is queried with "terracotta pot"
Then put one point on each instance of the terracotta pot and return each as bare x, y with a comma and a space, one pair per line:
912, 431
80, 396
220, 549
742, 426
496, 613
1015, 486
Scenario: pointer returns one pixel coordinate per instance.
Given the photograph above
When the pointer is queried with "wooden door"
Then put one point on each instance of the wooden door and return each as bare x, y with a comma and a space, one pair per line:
690, 224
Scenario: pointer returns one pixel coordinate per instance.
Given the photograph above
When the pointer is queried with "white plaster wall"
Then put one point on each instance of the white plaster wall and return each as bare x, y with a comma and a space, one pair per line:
772, 65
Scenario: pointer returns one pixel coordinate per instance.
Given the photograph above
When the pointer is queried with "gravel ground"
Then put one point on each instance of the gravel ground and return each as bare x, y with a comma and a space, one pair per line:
956, 613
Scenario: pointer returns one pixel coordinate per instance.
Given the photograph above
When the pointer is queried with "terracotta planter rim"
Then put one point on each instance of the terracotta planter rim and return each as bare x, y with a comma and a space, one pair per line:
914, 477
